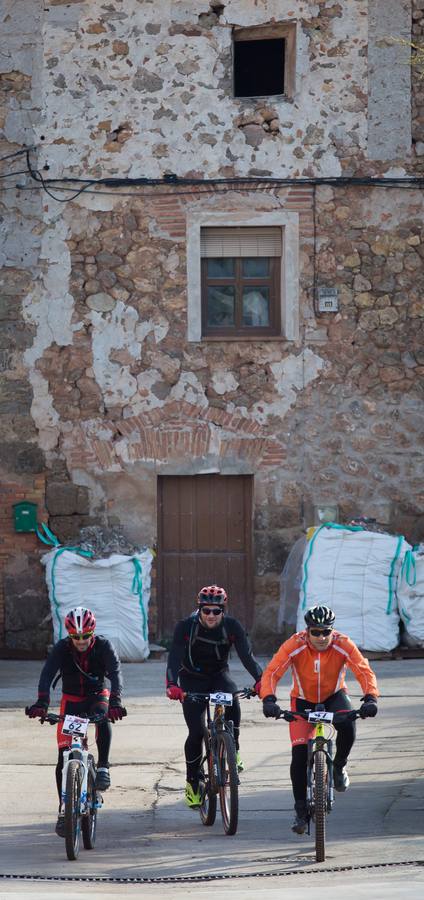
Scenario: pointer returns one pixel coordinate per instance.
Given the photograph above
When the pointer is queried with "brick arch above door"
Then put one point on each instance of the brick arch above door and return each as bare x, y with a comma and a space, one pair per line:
175, 431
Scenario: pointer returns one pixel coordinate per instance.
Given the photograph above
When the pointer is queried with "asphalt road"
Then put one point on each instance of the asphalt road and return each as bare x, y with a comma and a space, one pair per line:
375, 832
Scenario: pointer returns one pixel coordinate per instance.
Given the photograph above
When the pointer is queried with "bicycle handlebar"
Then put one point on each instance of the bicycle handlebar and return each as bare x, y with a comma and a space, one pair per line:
290, 714
54, 718
198, 696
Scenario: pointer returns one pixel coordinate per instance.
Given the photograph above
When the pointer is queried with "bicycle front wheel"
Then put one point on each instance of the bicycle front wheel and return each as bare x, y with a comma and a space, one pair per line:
207, 783
72, 809
320, 775
228, 782
89, 820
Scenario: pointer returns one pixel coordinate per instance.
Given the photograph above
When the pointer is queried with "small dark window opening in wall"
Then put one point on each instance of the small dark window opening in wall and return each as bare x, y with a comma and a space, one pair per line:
259, 67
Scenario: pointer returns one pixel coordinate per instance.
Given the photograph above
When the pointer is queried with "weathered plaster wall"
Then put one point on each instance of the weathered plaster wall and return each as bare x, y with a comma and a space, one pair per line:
389, 91
148, 90
418, 84
22, 462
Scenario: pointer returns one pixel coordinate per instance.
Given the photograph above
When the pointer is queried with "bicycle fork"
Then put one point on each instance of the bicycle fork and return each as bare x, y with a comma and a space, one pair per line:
218, 774
319, 743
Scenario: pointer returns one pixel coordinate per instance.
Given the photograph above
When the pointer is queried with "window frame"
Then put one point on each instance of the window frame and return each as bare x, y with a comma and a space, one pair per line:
239, 281
288, 289
277, 31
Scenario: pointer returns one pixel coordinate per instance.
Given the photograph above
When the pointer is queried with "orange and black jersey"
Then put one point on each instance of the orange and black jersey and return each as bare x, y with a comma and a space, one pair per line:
318, 675
205, 651
83, 674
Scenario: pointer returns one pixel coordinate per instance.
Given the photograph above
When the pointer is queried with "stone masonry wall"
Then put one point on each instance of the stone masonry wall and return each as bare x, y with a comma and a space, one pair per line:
331, 418
101, 390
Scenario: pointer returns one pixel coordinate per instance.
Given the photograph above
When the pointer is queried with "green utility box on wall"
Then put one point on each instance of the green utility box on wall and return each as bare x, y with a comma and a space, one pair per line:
25, 516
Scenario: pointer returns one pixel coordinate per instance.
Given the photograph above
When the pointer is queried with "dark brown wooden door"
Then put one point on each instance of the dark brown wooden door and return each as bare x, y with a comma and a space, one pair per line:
204, 537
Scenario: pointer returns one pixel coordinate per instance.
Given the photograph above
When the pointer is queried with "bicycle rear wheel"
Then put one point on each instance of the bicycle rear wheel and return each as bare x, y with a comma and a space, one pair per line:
320, 797
72, 809
207, 783
228, 782
89, 820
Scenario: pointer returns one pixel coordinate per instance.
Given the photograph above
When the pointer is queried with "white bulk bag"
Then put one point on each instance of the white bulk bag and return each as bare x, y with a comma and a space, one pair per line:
355, 572
411, 597
116, 589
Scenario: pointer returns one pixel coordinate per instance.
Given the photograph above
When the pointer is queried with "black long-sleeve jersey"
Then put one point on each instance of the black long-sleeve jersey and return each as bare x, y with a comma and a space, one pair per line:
205, 651
82, 674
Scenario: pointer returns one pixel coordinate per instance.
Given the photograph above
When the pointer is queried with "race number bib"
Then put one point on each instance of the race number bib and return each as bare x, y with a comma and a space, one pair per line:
75, 725
221, 699
320, 716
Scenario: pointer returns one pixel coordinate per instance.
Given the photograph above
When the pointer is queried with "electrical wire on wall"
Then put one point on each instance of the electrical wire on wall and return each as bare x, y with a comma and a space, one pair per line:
67, 185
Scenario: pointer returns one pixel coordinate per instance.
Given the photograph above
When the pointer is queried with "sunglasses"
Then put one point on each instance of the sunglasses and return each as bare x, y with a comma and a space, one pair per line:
317, 632
208, 611
81, 637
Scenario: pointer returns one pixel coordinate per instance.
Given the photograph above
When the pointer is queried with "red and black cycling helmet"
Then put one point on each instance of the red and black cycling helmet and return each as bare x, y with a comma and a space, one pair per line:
320, 617
212, 594
80, 621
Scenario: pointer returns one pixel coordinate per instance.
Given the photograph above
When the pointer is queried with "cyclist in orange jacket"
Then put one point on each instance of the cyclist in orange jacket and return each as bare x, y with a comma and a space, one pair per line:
318, 657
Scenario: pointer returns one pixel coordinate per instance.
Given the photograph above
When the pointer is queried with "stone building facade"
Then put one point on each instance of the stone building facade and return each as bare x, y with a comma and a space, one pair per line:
141, 150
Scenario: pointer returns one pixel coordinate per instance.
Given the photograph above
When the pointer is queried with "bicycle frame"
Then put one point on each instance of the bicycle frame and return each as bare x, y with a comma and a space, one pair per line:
319, 772
77, 750
218, 769
218, 723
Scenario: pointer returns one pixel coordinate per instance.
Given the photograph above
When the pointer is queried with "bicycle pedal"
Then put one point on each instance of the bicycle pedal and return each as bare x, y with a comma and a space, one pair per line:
99, 801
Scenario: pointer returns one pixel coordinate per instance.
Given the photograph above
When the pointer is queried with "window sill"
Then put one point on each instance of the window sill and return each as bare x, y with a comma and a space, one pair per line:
241, 337
264, 97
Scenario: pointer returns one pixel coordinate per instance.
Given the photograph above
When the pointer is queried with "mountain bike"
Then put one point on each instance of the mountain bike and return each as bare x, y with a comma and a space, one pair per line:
218, 767
320, 786
79, 799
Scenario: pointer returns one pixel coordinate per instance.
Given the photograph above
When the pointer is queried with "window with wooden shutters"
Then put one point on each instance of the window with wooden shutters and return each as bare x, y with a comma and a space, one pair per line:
241, 277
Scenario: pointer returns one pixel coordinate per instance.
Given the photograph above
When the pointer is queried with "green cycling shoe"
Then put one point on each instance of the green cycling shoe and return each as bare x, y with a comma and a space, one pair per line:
193, 799
240, 763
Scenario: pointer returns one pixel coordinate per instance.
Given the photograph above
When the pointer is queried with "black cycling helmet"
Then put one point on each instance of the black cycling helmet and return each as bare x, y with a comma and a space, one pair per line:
320, 617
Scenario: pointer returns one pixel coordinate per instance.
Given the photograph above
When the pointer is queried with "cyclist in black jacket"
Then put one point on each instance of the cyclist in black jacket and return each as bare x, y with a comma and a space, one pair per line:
82, 661
198, 660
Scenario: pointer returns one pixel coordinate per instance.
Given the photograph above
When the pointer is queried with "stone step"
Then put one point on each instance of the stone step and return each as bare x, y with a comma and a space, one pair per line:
157, 652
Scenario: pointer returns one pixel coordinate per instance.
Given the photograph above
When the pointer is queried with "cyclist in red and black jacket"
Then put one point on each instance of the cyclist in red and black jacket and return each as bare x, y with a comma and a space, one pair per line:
83, 660
198, 661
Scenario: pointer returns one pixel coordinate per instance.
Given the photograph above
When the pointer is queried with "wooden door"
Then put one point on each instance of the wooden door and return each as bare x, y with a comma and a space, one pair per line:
204, 537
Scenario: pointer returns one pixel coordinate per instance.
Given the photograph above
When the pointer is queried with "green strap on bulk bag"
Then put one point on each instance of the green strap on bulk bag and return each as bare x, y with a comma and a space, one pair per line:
392, 573
48, 537
60, 550
355, 528
52, 541
409, 568
137, 588
324, 525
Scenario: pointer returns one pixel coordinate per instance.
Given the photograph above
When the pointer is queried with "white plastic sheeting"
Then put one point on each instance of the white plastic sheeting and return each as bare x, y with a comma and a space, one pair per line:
355, 572
116, 589
290, 585
411, 598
